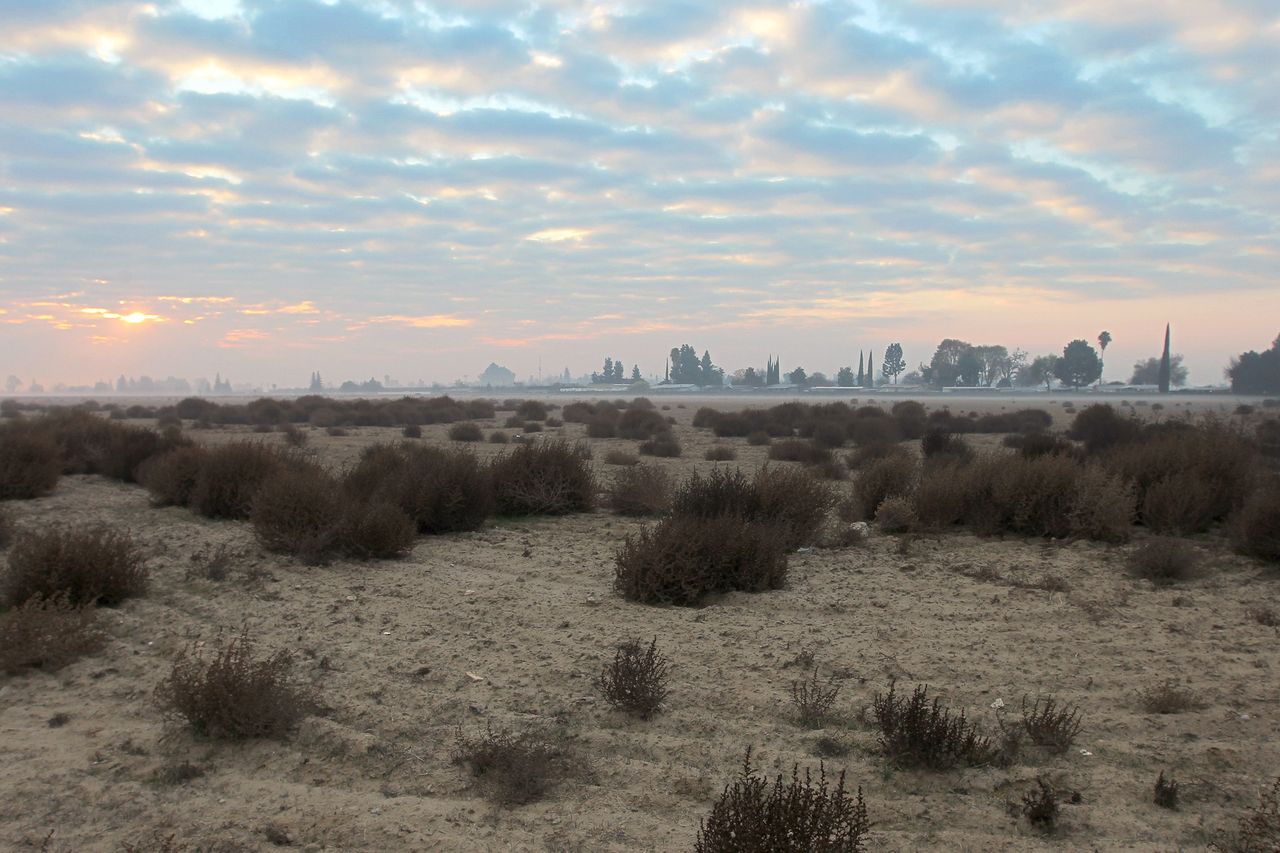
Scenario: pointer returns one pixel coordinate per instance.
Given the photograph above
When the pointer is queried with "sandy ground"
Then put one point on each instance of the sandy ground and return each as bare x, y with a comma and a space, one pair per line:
528, 607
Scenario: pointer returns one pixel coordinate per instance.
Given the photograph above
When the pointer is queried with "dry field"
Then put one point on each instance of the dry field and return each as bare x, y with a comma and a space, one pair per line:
507, 627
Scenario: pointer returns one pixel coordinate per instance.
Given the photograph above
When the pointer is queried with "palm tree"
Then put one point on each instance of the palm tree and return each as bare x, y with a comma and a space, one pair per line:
1104, 338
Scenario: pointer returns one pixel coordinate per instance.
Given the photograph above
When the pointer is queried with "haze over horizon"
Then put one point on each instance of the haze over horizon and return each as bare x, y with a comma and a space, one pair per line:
369, 187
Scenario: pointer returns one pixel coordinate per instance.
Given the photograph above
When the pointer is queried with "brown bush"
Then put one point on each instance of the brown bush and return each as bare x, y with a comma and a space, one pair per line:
621, 457
600, 427
1099, 426
499, 437
415, 431
1164, 560
957, 492
531, 427
794, 450
640, 490
720, 492
663, 445
47, 633
93, 565
794, 501
1168, 697
466, 432
532, 410
891, 476
911, 418
6, 528
1103, 508
376, 530
30, 463
233, 694
1255, 527
759, 438
547, 478
1259, 827
721, 453
514, 767
874, 430
296, 512
937, 443
752, 815
640, 424
683, 559
896, 515
171, 477
442, 491
231, 475
915, 733
635, 681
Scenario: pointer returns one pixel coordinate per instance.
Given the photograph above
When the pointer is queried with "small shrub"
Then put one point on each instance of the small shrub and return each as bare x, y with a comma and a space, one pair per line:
47, 633
937, 443
336, 432
1036, 444
636, 680
548, 478
911, 418
874, 430
640, 490
229, 477
377, 530
1164, 560
1100, 426
800, 815
531, 410
721, 453
233, 694
293, 436
792, 499
794, 450
892, 476
499, 437
828, 434
531, 427
812, 700
513, 768
1040, 806
1051, 725
1168, 698
1165, 793
1255, 527
466, 432
662, 445
6, 528
1265, 616
621, 457
758, 438
599, 427
683, 559
30, 463
917, 734
93, 565
896, 515
297, 511
1259, 827
415, 431
443, 491
865, 455
171, 477
641, 424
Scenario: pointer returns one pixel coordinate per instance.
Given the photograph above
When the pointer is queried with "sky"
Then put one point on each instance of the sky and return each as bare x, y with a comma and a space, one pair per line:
264, 188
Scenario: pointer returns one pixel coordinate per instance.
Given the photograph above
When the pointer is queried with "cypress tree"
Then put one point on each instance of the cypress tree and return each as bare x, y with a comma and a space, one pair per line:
860, 377
1164, 363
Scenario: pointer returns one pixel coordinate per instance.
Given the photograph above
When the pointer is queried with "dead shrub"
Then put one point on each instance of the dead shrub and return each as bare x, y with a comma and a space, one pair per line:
936, 443
93, 565
1100, 426
229, 477
1050, 724
442, 491
795, 450
640, 490
621, 457
547, 478
466, 432
377, 530
228, 692
1259, 827
641, 424
867, 454
1165, 793
803, 814
1164, 560
296, 512
1168, 697
759, 438
793, 500
662, 445
636, 680
915, 733
719, 492
896, 515
892, 476
30, 463
683, 559
721, 453
1036, 444
911, 418
1040, 806
47, 633
499, 437
828, 434
514, 768
293, 436
531, 427
1104, 506
531, 410
414, 431
956, 492
171, 477
1255, 527
812, 700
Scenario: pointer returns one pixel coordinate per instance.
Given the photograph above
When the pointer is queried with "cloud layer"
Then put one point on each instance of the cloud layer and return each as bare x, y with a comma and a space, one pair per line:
391, 186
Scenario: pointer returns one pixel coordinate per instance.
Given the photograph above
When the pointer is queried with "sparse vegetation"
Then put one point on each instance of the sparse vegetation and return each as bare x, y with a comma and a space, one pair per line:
721, 453
30, 464
47, 633
896, 515
1165, 793
1051, 724
547, 478
813, 699
513, 768
1040, 806
799, 815
915, 733
1255, 528
635, 681
640, 490
465, 432
442, 491
92, 565
1169, 697
1259, 827
1164, 560
228, 692
297, 511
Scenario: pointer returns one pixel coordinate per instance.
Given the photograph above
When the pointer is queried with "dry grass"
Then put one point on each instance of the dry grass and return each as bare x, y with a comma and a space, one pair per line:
1164, 560
514, 768
812, 700
1169, 697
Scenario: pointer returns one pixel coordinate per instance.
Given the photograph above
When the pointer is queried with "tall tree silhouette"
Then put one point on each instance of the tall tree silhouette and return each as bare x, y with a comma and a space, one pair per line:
1104, 338
1164, 363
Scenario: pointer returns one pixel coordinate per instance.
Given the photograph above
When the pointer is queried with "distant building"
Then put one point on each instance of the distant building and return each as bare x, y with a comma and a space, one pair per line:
497, 376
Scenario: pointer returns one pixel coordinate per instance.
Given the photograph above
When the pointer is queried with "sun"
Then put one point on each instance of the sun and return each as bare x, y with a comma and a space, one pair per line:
135, 318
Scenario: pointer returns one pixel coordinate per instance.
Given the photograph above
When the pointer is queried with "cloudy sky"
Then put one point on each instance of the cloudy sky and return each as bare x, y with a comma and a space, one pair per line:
415, 188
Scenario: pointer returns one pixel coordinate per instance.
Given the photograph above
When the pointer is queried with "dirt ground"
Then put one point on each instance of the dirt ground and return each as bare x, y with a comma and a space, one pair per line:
508, 626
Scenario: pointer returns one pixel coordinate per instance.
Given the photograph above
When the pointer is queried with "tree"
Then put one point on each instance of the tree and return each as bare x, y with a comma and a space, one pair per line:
1256, 373
12, 384
894, 363
1166, 366
687, 369
1079, 365
635, 373
953, 363
871, 371
1147, 372
989, 360
1042, 369
862, 376
797, 376
316, 385
1104, 338
1011, 366
844, 377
